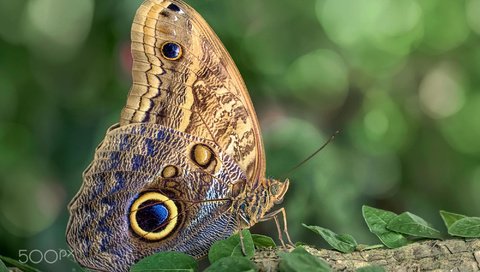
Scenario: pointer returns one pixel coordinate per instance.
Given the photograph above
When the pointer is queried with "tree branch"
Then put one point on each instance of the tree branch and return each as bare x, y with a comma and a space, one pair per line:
449, 255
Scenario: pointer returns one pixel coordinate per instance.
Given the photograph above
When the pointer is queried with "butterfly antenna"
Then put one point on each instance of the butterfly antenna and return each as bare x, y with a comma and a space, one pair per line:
313, 154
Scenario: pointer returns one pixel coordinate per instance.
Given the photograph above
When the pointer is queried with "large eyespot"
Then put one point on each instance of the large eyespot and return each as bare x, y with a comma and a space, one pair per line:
171, 50
153, 216
202, 155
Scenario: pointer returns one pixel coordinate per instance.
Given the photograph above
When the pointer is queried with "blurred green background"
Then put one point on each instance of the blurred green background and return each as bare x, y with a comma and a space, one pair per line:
400, 79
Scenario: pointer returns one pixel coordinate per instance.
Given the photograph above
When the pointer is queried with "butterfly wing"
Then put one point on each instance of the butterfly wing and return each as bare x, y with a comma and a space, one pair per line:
106, 229
184, 78
187, 143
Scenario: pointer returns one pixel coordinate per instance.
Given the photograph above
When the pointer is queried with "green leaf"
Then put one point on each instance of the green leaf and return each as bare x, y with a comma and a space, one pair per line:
3, 267
15, 263
450, 218
377, 221
411, 224
300, 260
166, 261
232, 264
344, 243
232, 247
468, 227
373, 268
262, 241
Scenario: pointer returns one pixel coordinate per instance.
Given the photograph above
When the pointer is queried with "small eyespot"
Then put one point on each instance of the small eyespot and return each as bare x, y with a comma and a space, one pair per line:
171, 50
153, 216
202, 155
170, 171
174, 7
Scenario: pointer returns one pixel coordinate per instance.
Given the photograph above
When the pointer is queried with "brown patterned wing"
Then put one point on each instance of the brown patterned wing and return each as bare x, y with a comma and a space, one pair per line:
184, 78
115, 219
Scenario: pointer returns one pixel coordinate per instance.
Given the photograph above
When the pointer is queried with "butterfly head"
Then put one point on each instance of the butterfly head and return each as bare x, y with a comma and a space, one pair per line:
277, 190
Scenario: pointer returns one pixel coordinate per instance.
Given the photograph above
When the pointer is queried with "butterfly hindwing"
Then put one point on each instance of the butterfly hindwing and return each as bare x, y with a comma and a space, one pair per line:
129, 164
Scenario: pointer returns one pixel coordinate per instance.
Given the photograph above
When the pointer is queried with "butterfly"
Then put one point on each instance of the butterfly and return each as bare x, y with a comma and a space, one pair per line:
185, 165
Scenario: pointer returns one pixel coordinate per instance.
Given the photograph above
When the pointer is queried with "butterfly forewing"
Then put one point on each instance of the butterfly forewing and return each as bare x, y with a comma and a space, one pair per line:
200, 93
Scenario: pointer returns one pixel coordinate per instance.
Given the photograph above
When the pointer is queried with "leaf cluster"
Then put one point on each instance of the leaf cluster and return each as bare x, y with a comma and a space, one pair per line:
228, 255
235, 253
397, 230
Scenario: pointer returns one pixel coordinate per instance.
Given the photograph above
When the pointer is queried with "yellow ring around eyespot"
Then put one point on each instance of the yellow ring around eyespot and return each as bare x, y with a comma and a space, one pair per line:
172, 216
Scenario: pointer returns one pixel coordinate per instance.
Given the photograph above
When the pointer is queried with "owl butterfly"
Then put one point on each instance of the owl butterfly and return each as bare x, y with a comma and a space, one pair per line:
185, 166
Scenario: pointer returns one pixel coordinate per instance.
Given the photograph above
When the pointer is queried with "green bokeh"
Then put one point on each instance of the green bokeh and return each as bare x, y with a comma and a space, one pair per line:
399, 79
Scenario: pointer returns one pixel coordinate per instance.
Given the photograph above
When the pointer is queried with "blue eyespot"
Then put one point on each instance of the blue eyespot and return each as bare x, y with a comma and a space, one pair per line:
174, 7
171, 50
152, 216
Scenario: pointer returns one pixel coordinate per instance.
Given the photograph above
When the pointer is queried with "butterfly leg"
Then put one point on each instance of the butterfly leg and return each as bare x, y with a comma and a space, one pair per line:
279, 230
274, 215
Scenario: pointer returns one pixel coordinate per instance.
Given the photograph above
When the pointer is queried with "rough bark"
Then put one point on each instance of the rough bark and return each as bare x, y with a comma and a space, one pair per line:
431, 255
